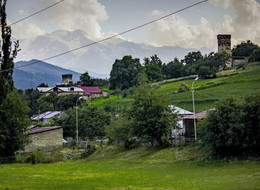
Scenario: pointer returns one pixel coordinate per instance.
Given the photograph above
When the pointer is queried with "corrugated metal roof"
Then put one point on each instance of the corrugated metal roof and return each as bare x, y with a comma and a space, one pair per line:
52, 114
42, 129
88, 90
180, 111
199, 115
71, 89
44, 89
45, 115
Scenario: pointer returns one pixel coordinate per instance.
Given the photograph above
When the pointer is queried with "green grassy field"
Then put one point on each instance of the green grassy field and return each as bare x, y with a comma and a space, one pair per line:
113, 168
207, 91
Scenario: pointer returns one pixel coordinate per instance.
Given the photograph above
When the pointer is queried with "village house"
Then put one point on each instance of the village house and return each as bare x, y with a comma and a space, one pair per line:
188, 123
179, 130
66, 87
46, 116
44, 138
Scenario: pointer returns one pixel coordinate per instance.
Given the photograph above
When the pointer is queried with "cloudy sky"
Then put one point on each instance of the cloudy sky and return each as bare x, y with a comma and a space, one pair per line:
193, 28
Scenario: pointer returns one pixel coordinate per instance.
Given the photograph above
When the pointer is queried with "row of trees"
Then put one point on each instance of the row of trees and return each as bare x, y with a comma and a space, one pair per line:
125, 71
90, 81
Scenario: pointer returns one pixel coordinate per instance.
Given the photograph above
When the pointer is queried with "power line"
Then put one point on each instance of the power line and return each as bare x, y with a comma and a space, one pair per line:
36, 12
105, 39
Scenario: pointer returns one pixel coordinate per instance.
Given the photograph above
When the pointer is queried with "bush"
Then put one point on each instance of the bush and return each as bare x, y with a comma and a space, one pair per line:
183, 87
90, 149
165, 143
40, 157
233, 129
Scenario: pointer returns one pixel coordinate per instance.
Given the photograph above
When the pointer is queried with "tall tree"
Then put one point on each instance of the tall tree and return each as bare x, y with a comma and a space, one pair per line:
13, 111
13, 122
149, 113
153, 68
86, 79
124, 73
173, 69
192, 57
92, 123
7, 55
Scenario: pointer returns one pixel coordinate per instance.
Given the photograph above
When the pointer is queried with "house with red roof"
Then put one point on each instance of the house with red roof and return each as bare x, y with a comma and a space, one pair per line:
65, 88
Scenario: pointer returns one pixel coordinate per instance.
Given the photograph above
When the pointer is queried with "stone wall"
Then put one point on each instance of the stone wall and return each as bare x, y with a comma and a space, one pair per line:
45, 140
236, 60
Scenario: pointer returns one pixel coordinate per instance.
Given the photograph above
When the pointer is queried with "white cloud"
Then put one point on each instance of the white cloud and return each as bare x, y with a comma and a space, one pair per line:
176, 31
245, 25
21, 11
29, 31
76, 14
68, 15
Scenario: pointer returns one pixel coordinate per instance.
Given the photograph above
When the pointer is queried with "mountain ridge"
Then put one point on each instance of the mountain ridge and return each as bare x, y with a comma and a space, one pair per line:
39, 72
96, 58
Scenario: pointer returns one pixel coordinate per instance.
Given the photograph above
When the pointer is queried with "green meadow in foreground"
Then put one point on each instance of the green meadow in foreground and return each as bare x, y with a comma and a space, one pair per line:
113, 168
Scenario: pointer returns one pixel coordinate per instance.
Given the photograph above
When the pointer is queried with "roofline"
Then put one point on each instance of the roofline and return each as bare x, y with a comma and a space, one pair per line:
50, 129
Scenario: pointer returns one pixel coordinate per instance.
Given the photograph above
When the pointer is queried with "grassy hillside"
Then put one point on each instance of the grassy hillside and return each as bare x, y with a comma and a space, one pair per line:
207, 91
111, 167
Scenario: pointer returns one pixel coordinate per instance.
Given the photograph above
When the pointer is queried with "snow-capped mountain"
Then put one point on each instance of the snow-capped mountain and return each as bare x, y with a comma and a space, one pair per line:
94, 58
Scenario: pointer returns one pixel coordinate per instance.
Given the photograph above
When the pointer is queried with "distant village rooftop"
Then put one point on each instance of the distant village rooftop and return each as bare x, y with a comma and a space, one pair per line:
67, 87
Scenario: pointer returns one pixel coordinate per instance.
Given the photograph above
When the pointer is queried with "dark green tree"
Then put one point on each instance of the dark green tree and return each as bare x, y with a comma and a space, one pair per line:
13, 110
120, 129
13, 124
233, 128
53, 102
191, 62
255, 55
244, 49
174, 69
192, 57
149, 113
124, 73
92, 123
48, 103
43, 85
210, 64
7, 56
86, 79
100, 82
66, 102
32, 96
153, 68
221, 59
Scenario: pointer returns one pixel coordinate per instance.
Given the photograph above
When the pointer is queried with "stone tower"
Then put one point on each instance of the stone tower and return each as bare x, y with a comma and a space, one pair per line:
67, 78
224, 42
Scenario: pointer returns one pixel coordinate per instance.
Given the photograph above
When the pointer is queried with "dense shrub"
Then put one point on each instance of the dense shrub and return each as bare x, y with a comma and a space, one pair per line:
90, 149
233, 129
40, 157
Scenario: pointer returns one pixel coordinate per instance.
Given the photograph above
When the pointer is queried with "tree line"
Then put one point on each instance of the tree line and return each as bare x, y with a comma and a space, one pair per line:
125, 71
